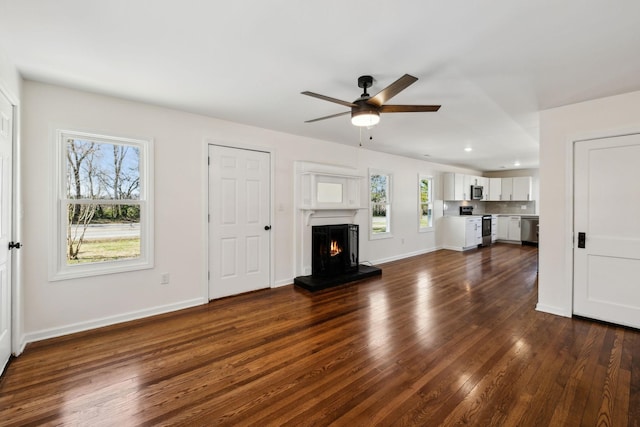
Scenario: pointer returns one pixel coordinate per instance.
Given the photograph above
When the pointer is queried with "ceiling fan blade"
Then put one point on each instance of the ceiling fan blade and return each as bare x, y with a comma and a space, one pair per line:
392, 90
328, 98
408, 108
328, 117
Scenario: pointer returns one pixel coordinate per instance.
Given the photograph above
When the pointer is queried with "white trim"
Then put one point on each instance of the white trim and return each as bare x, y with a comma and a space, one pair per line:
432, 180
405, 255
239, 146
109, 320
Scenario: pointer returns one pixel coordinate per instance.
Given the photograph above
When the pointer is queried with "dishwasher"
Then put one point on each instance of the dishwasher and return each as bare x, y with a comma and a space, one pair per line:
529, 231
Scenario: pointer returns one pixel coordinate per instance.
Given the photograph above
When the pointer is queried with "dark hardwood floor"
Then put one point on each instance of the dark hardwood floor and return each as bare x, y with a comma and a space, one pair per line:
445, 338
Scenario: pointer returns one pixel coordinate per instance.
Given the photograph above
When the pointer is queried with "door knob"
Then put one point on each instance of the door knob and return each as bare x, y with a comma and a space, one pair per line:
267, 227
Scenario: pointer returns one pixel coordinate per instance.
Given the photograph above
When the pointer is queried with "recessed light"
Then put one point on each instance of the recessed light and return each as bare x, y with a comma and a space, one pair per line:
467, 149
516, 163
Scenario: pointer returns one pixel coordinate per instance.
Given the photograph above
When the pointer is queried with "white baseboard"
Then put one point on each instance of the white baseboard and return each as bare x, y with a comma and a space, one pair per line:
405, 255
285, 282
558, 311
106, 321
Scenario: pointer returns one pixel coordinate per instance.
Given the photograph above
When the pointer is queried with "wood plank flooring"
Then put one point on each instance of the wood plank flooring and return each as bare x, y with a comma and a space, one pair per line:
445, 338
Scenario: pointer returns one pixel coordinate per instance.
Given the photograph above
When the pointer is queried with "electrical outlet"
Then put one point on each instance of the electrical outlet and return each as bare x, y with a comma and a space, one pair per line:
164, 279
523, 207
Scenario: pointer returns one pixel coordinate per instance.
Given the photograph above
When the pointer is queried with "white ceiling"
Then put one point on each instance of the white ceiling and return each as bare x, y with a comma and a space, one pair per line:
492, 65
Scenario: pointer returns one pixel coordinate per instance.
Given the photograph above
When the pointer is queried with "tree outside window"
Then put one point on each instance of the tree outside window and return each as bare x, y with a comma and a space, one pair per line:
425, 208
380, 203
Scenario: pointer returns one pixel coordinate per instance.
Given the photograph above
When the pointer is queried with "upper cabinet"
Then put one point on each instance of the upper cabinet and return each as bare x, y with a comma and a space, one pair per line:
522, 188
518, 188
457, 186
495, 189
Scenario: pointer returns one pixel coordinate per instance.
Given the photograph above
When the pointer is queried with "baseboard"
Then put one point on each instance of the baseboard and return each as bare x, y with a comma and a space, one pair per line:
405, 255
285, 282
558, 311
106, 321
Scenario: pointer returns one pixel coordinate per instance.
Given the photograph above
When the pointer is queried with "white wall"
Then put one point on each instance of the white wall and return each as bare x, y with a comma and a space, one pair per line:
559, 127
54, 308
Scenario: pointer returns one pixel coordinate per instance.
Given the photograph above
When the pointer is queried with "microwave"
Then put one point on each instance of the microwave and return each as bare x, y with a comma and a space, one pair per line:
476, 192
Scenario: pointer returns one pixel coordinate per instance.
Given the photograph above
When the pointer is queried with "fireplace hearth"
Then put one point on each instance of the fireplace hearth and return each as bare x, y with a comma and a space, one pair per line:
335, 258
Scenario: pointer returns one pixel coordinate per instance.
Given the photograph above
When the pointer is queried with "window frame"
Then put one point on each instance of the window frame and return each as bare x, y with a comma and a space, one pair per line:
429, 228
389, 203
59, 269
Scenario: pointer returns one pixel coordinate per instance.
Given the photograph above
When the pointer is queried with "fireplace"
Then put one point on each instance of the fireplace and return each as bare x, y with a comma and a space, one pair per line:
334, 258
334, 249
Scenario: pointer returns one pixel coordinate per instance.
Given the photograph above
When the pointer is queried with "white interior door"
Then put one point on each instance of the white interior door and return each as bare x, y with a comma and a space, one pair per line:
239, 222
606, 206
6, 144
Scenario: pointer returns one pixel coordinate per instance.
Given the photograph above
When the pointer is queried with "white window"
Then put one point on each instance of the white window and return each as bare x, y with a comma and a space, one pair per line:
425, 203
103, 219
380, 204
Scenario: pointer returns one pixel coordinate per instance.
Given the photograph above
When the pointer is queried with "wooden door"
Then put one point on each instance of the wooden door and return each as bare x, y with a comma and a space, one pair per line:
606, 206
239, 221
6, 150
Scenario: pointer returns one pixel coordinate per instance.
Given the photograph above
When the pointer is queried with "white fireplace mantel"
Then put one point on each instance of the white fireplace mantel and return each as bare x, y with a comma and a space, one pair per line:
327, 187
325, 194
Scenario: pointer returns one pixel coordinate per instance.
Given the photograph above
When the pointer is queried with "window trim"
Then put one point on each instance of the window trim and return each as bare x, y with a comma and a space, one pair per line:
387, 234
58, 267
431, 179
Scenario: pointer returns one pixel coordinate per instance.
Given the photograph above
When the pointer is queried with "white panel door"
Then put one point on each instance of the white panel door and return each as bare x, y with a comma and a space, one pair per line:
606, 205
6, 141
239, 221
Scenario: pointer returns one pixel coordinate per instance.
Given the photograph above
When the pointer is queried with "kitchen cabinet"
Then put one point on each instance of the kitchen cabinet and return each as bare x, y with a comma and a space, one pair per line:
522, 188
494, 228
516, 188
507, 189
509, 228
462, 232
453, 186
495, 189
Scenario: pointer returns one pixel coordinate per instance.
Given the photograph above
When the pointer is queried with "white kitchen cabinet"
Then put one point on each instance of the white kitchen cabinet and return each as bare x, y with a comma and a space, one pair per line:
509, 228
494, 228
522, 188
462, 233
495, 189
484, 183
503, 227
514, 228
453, 186
516, 188
507, 189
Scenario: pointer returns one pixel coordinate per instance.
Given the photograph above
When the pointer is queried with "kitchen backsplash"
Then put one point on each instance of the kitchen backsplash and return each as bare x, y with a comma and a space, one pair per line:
479, 208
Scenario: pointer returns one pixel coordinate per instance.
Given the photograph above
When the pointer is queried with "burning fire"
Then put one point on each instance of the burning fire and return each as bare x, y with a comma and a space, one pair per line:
335, 248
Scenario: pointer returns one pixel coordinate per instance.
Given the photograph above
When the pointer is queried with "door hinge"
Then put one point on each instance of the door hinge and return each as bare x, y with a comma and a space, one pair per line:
15, 245
209, 160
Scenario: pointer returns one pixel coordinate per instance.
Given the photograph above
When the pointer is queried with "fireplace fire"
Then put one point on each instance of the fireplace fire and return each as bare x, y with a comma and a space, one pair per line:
335, 248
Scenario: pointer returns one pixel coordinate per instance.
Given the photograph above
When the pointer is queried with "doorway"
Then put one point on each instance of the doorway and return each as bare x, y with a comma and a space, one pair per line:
606, 230
239, 211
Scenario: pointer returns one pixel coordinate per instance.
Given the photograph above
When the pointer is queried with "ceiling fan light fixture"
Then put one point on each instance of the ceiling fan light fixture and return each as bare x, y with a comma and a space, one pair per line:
364, 118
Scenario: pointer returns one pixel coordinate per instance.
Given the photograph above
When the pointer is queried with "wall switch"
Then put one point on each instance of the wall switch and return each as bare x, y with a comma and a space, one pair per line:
164, 279
523, 207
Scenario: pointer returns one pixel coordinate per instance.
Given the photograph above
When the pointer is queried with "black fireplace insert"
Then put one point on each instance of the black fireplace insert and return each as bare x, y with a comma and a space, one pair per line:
334, 249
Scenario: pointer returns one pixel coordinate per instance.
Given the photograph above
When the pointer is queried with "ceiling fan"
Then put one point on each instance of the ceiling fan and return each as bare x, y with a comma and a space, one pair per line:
365, 111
